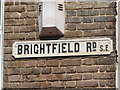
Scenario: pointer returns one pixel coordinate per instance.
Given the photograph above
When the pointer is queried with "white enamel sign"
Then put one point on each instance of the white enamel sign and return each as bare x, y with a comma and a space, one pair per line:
30, 49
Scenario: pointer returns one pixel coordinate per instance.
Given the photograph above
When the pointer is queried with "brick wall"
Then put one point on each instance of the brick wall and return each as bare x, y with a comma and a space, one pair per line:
83, 20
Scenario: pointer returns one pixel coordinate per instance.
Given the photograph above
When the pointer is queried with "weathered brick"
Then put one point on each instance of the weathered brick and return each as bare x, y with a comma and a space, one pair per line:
32, 7
29, 85
104, 75
52, 63
71, 34
58, 84
79, 5
7, 64
71, 13
111, 83
15, 8
13, 71
87, 20
26, 71
87, 61
70, 69
70, 62
20, 36
46, 84
7, 50
84, 69
87, 83
29, 78
8, 43
32, 14
8, 3
11, 85
41, 78
102, 83
73, 19
52, 77
8, 57
90, 26
30, 63
14, 22
108, 11
87, 76
18, 64
28, 3
108, 68
104, 4
46, 70
8, 29
30, 21
87, 12
36, 71
105, 19
70, 27
41, 63
101, 32
69, 77
70, 84
15, 78
105, 61
5, 78
58, 70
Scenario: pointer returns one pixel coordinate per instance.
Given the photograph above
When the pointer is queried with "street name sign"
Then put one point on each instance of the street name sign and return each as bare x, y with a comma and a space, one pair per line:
53, 48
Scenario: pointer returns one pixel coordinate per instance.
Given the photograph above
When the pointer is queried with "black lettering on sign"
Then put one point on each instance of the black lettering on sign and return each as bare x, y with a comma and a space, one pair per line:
53, 48
101, 48
20, 49
59, 48
42, 48
89, 47
48, 47
69, 50
94, 46
36, 48
31, 49
26, 49
77, 47
107, 48
63, 47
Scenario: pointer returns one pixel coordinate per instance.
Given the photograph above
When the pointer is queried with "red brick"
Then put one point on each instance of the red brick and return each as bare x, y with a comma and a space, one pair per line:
87, 76
46, 70
111, 83
70, 69
71, 34
52, 77
58, 84
86, 69
27, 78
104, 75
7, 50
108, 68
70, 84
46, 84
58, 70
69, 77
41, 78
70, 62
18, 64
15, 78
31, 63
87, 83
41, 63
30, 85
52, 63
